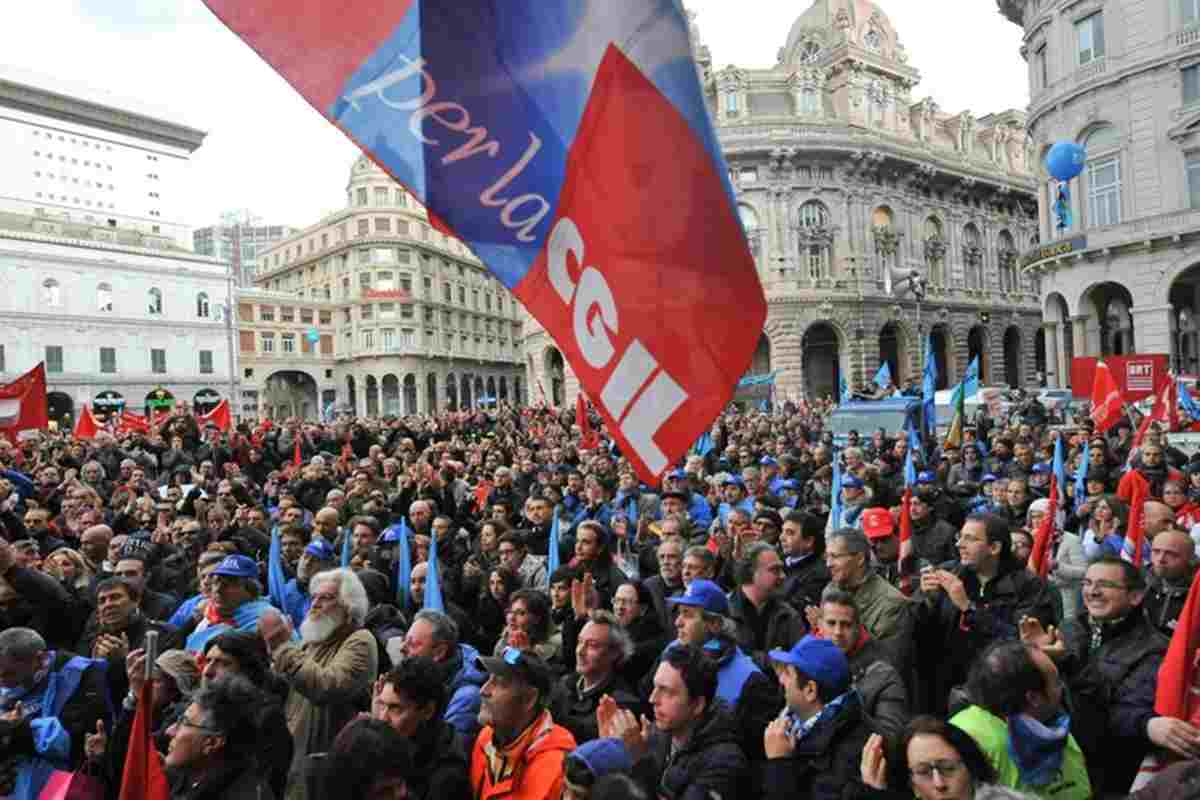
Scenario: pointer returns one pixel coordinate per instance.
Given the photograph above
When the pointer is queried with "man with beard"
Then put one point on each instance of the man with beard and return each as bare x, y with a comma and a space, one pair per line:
331, 672
235, 602
411, 699
50, 700
213, 745
317, 556
520, 751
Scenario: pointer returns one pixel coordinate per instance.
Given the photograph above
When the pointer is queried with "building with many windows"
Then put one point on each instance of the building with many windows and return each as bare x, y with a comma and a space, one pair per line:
845, 179
1121, 78
97, 283
418, 325
237, 241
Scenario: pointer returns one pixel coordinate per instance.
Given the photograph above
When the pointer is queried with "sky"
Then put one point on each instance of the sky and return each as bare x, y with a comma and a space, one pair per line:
268, 151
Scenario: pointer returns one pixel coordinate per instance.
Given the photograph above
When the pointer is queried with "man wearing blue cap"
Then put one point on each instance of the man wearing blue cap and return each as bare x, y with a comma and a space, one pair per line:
318, 556
854, 500
235, 602
733, 492
699, 512
814, 748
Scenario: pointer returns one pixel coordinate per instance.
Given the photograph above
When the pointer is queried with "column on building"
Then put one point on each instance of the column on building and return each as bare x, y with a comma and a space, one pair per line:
1056, 368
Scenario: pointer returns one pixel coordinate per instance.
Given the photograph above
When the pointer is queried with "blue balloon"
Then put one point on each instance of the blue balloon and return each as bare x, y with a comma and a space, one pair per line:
313, 335
1066, 160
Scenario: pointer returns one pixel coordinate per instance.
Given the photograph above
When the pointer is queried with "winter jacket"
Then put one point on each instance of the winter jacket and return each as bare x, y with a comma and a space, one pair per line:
463, 685
1111, 692
659, 592
888, 615
241, 781
826, 763
443, 765
949, 639
710, 764
43, 604
60, 711
881, 687
575, 709
1069, 571
530, 768
330, 682
807, 577
991, 734
933, 540
1164, 601
777, 626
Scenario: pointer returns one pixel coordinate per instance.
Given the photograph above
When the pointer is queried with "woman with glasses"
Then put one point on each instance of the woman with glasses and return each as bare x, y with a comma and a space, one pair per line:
933, 760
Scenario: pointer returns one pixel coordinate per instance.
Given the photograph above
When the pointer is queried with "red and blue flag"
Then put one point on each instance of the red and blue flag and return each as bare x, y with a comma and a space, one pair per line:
567, 143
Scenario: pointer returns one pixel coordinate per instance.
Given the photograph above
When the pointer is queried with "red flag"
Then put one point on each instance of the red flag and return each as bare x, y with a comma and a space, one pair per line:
1137, 505
1165, 412
482, 492
132, 423
1039, 557
589, 439
1106, 399
297, 459
86, 426
143, 778
906, 543
219, 416
23, 404
1174, 696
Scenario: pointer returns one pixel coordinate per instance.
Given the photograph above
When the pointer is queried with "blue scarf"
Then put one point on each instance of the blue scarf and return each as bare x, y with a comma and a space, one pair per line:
798, 729
1037, 748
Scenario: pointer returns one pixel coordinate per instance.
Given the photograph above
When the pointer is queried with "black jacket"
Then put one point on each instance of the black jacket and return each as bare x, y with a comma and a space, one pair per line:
1164, 602
826, 764
659, 592
444, 765
1111, 693
950, 639
710, 763
933, 540
777, 627
239, 781
881, 687
805, 581
43, 604
575, 709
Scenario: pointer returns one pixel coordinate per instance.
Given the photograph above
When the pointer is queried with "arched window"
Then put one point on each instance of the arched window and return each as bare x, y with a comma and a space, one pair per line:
202, 305
1103, 176
972, 257
155, 304
816, 240
887, 241
104, 297
51, 292
935, 251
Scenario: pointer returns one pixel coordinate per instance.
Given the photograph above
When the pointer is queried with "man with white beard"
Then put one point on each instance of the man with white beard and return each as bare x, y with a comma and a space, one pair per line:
330, 672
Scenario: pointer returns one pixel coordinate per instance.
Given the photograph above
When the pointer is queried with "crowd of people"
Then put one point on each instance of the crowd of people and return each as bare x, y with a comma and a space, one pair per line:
735, 631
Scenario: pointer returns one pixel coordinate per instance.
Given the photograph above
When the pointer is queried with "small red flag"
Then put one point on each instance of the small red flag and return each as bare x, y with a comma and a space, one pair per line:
143, 778
1174, 697
86, 426
1135, 530
1039, 556
1106, 399
219, 416
23, 404
906, 543
296, 457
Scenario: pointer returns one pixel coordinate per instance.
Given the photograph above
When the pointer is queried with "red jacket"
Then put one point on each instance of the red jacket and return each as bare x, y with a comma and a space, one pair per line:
531, 768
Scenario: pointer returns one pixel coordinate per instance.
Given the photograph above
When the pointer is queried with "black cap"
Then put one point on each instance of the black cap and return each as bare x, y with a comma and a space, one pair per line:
525, 666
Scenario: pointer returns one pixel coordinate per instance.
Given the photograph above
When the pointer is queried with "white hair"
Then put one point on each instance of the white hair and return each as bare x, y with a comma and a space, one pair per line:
351, 594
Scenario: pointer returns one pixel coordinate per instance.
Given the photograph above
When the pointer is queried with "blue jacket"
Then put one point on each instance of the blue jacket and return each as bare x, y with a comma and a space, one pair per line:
296, 602
52, 742
183, 614
700, 511
735, 669
745, 504
21, 482
462, 711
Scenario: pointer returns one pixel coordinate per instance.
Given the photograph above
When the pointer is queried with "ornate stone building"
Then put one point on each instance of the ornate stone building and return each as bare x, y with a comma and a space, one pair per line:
1122, 78
845, 179
406, 319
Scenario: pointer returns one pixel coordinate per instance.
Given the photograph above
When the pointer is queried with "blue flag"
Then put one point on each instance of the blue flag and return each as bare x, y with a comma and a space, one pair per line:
347, 548
1060, 472
1188, 403
883, 377
914, 438
399, 533
910, 470
552, 548
968, 387
843, 390
835, 494
276, 577
929, 388
704, 444
1081, 475
433, 586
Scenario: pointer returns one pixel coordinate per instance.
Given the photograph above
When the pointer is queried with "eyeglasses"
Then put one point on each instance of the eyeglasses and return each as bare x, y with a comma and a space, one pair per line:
1088, 583
184, 722
945, 767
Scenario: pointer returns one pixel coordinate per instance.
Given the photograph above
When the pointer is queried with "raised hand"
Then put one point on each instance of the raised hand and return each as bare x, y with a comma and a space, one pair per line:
874, 764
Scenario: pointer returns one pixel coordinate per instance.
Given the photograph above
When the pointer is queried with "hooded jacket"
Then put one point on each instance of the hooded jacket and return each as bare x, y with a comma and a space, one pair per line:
465, 681
530, 768
710, 764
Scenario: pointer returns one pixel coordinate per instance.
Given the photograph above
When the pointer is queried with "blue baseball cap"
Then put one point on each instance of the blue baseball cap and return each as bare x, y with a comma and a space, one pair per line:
733, 480
767, 461
320, 550
789, 484
988, 478
851, 482
603, 756
819, 659
1042, 469
677, 474
926, 477
237, 567
703, 594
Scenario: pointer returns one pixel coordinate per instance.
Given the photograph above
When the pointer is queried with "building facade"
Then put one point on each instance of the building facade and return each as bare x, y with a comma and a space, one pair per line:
1121, 78
844, 180
97, 281
237, 241
418, 325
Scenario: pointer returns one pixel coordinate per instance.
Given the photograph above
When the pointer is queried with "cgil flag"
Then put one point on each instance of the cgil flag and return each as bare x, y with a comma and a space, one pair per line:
23, 405
569, 145
1106, 399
